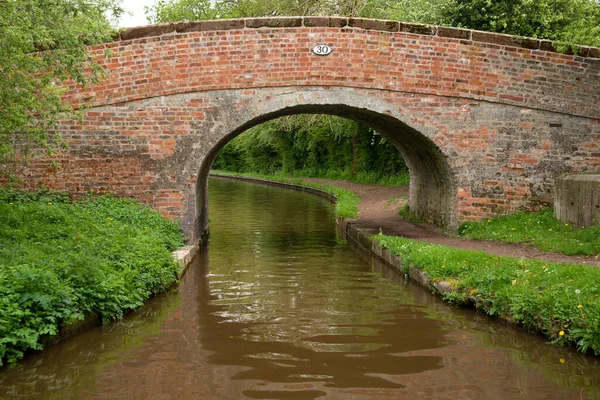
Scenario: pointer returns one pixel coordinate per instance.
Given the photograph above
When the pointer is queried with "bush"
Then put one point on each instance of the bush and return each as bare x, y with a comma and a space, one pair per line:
61, 261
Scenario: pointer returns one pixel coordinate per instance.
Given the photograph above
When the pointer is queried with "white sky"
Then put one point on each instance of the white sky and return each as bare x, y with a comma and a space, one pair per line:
136, 7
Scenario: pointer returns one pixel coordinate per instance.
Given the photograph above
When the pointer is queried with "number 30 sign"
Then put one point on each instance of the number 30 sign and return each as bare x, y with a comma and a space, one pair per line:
321, 50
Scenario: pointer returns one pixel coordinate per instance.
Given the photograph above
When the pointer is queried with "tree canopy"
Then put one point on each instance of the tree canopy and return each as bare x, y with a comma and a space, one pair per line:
43, 42
569, 21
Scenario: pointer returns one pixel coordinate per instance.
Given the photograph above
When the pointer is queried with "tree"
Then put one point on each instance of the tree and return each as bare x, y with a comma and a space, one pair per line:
569, 21
42, 43
179, 10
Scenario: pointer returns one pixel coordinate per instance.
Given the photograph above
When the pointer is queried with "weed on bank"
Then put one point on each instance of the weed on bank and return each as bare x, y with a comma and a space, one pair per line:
560, 300
540, 229
62, 261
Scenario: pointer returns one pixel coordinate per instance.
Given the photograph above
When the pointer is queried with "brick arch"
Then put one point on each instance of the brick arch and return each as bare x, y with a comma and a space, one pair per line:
433, 183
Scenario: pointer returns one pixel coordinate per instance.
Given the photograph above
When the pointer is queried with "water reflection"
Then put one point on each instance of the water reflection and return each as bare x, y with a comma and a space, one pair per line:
277, 308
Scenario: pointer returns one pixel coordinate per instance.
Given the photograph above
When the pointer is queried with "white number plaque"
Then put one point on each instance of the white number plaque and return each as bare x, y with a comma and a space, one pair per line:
321, 50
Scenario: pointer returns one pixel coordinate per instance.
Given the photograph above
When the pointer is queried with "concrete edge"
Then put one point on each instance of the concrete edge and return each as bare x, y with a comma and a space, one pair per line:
284, 185
363, 238
185, 255
348, 23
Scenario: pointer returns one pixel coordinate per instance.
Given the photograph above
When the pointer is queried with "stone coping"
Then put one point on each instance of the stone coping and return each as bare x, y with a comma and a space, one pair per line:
185, 255
470, 35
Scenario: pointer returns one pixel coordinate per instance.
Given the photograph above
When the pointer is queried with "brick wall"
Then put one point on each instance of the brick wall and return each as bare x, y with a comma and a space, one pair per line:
485, 121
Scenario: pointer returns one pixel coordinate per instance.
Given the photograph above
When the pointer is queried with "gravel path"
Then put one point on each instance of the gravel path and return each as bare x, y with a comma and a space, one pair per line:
379, 210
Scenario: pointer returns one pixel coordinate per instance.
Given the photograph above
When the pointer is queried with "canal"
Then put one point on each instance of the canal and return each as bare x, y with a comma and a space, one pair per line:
278, 307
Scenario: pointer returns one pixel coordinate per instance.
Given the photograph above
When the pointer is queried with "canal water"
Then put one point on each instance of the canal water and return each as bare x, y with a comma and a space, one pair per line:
279, 308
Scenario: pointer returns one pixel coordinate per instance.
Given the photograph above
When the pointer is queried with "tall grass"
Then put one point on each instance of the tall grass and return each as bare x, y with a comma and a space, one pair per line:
372, 178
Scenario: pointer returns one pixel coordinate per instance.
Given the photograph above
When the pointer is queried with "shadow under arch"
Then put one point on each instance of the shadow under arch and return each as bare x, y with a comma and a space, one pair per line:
432, 194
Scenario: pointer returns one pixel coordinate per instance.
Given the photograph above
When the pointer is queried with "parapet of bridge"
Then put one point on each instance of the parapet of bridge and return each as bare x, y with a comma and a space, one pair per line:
349, 22
486, 122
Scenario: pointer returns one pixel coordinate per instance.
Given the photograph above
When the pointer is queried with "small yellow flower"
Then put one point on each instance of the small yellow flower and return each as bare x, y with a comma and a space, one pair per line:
513, 229
561, 333
49, 202
550, 230
10, 203
566, 224
562, 360
443, 266
580, 306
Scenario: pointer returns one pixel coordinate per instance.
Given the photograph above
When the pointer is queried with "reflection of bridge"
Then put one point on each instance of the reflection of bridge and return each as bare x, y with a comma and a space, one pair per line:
485, 122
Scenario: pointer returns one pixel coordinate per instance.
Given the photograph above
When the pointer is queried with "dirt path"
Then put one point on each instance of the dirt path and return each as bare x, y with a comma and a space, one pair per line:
379, 210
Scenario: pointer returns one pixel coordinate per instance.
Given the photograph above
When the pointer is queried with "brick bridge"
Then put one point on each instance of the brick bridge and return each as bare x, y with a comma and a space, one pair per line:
485, 122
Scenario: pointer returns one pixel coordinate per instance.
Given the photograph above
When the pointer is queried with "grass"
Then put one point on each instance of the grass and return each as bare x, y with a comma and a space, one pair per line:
346, 205
540, 229
372, 178
559, 300
61, 261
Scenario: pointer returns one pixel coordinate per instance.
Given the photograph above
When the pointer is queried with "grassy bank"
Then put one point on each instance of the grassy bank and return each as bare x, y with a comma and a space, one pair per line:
61, 261
346, 205
369, 178
559, 300
540, 229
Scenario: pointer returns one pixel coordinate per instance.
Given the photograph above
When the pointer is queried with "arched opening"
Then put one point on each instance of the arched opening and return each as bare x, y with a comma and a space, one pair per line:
432, 191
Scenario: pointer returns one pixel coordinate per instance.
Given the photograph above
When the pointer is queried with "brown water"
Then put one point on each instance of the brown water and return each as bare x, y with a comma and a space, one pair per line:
278, 308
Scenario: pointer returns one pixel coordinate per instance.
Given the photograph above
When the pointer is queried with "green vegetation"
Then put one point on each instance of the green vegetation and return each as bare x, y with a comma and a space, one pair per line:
61, 261
320, 146
346, 205
368, 178
559, 300
540, 229
41, 43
